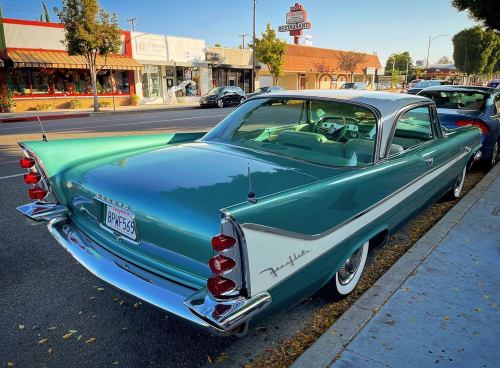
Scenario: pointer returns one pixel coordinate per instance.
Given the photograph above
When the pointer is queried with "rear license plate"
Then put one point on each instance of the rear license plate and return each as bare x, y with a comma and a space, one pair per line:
121, 221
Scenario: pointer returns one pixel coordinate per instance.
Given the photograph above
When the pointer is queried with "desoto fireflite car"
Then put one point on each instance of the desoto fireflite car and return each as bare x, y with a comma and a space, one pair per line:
280, 199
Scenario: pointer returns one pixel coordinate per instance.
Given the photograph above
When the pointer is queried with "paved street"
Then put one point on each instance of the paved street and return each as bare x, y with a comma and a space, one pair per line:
44, 293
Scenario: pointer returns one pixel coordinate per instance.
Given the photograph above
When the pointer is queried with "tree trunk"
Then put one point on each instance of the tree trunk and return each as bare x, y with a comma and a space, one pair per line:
93, 78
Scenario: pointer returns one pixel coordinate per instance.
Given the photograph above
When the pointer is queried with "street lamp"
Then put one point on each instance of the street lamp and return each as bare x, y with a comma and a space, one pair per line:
429, 48
253, 46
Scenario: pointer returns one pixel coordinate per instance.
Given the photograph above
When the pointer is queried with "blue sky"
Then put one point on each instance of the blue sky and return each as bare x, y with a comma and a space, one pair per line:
382, 26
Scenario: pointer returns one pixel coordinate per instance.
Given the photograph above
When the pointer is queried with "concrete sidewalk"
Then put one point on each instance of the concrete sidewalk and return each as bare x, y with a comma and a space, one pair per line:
22, 116
437, 306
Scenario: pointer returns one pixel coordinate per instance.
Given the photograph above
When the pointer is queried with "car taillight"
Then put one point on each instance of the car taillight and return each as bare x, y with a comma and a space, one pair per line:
218, 285
26, 162
222, 242
477, 123
37, 193
32, 177
220, 264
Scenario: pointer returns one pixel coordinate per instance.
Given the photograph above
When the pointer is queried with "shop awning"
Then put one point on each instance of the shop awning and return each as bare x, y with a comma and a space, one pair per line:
61, 59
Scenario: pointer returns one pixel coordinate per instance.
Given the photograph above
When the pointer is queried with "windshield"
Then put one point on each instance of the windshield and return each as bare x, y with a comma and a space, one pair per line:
422, 84
347, 85
461, 100
215, 91
324, 132
261, 89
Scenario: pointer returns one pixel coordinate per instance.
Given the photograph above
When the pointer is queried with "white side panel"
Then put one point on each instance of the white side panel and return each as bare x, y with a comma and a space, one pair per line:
272, 258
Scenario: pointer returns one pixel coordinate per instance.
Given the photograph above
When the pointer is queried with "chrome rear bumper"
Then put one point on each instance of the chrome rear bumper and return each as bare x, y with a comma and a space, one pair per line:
197, 307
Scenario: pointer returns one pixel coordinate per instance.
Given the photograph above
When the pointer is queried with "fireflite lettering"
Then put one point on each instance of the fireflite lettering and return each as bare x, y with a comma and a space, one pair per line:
291, 261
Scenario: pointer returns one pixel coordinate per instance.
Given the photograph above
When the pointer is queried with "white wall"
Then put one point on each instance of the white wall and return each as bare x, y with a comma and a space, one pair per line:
37, 37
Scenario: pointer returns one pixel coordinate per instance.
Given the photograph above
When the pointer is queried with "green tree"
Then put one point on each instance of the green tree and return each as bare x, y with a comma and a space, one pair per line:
399, 61
46, 11
474, 50
89, 31
270, 50
485, 11
349, 61
217, 45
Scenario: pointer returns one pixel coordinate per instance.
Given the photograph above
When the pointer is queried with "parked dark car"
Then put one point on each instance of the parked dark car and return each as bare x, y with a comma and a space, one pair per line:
416, 88
262, 90
469, 105
494, 83
354, 85
223, 96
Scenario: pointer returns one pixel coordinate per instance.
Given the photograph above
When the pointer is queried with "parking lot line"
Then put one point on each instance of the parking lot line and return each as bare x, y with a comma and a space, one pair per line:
11, 176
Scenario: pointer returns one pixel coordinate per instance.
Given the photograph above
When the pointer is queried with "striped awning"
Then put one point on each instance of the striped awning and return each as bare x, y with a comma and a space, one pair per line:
61, 59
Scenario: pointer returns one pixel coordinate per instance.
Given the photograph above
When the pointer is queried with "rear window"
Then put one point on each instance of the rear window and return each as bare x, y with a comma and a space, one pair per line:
457, 100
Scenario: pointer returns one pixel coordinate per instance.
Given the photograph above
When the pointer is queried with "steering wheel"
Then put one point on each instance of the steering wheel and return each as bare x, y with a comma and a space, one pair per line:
347, 129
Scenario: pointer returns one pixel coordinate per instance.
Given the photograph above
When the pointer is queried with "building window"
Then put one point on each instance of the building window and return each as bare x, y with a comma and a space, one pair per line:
151, 81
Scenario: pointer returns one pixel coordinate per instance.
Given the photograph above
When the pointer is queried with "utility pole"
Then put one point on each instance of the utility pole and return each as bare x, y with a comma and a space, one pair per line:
252, 84
132, 21
243, 37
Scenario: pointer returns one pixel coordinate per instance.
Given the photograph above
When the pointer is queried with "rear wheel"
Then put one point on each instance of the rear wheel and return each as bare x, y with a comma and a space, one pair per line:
220, 103
348, 275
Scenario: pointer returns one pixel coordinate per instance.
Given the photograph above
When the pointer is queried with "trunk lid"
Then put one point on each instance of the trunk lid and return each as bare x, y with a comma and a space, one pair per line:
176, 194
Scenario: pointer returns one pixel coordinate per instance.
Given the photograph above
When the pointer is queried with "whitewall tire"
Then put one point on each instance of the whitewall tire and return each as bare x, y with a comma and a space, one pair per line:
348, 275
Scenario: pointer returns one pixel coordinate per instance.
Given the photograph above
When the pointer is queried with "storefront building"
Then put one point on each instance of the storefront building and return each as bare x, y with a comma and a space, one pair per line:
168, 61
309, 67
230, 67
42, 75
442, 71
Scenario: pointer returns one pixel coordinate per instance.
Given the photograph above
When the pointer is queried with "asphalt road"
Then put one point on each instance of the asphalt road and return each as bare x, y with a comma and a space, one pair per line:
45, 294
53, 313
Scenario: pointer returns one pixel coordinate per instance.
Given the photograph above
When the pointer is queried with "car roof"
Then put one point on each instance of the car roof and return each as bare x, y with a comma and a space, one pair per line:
384, 102
449, 88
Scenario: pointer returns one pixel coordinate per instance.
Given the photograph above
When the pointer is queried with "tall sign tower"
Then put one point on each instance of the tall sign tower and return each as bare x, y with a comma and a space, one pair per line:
296, 22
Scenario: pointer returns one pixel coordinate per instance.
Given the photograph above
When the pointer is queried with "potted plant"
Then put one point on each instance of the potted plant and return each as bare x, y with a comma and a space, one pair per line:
7, 100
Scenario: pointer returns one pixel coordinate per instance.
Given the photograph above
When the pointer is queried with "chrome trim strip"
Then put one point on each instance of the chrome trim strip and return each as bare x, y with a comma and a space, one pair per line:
42, 211
292, 234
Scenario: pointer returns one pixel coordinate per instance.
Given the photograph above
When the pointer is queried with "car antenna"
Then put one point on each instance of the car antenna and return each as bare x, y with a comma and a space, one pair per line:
251, 195
44, 136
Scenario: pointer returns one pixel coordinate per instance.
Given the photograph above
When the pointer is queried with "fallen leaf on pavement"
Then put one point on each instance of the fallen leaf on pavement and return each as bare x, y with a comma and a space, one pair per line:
136, 305
21, 327
115, 363
80, 312
90, 341
51, 350
446, 318
79, 338
53, 328
100, 289
68, 335
209, 359
43, 341
10, 364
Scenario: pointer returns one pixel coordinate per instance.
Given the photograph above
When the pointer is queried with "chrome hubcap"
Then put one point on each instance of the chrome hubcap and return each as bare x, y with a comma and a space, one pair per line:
348, 270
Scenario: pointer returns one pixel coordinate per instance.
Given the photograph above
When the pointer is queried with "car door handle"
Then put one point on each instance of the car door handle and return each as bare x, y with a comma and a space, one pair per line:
429, 161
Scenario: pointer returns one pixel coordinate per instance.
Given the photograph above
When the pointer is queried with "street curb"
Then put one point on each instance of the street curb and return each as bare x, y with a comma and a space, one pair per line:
324, 351
55, 116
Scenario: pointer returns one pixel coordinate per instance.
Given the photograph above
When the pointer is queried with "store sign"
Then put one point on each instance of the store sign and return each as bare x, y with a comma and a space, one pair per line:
370, 70
296, 22
150, 69
296, 17
294, 26
151, 45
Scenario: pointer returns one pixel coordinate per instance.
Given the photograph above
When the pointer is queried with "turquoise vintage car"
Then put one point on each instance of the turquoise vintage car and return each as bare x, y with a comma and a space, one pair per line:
282, 197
